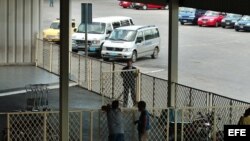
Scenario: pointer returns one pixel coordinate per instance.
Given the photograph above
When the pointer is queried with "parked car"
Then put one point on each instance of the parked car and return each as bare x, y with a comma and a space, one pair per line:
148, 6
190, 15
230, 20
211, 18
98, 31
132, 42
53, 32
243, 24
126, 4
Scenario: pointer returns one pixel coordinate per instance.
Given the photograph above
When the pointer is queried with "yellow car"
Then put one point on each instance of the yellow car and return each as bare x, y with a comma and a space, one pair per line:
53, 32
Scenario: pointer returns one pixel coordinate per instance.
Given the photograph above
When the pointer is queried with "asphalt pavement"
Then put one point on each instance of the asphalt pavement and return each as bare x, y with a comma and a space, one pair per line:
212, 59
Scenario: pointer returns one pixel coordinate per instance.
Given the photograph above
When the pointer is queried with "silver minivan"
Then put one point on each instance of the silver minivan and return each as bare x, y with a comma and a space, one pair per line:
132, 42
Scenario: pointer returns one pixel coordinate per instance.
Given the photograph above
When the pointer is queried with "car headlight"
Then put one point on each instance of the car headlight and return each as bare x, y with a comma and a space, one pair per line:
126, 50
223, 20
236, 23
96, 42
211, 19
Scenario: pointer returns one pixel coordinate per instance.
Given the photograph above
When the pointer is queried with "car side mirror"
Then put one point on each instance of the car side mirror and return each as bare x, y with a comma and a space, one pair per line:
108, 32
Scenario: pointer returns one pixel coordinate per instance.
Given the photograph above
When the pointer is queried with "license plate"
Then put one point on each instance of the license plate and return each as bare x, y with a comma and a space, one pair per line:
227, 23
204, 22
184, 21
241, 26
113, 54
137, 4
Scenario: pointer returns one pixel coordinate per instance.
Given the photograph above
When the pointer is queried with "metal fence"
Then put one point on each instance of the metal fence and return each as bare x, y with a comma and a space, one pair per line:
104, 79
183, 124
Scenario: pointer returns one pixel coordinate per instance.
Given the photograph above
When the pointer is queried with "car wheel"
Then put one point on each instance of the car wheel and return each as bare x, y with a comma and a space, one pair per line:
182, 23
124, 7
105, 59
199, 25
155, 53
134, 56
216, 24
223, 26
144, 7
236, 29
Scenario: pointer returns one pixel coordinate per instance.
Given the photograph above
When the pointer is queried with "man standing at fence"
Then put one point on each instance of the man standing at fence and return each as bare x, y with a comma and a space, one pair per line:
129, 75
143, 124
115, 125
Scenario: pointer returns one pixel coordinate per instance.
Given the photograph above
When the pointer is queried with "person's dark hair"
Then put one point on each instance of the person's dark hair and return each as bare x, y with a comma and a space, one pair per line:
115, 104
247, 112
142, 104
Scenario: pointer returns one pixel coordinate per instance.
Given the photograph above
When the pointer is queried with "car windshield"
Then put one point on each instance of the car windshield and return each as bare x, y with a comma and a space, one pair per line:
211, 13
246, 18
55, 25
123, 35
184, 9
95, 28
233, 16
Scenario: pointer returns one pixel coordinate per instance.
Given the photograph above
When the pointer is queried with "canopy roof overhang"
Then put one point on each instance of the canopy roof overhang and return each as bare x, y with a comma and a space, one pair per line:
230, 6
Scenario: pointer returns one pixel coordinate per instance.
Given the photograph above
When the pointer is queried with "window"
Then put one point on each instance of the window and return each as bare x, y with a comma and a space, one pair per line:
131, 22
148, 34
125, 23
116, 25
139, 37
123, 35
155, 33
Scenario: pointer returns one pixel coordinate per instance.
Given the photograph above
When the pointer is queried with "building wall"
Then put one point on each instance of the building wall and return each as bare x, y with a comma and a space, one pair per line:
19, 23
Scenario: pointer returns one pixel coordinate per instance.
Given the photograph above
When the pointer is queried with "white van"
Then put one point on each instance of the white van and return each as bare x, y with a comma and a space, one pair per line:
98, 31
132, 42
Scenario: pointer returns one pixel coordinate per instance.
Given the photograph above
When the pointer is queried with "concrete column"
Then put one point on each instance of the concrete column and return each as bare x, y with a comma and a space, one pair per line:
172, 50
11, 31
19, 30
65, 24
3, 31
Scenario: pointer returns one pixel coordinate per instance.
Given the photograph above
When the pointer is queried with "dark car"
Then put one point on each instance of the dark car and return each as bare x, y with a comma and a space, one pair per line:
243, 24
230, 20
190, 15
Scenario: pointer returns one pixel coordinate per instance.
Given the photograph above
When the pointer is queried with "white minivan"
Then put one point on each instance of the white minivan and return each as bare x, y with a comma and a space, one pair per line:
98, 31
132, 42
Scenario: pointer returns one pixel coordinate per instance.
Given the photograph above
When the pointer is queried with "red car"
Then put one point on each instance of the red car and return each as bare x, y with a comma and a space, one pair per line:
211, 18
125, 4
148, 6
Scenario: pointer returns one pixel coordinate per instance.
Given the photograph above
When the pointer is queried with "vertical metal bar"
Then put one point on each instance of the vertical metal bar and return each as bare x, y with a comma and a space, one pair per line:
231, 112
138, 95
101, 63
172, 50
65, 24
214, 125
190, 97
175, 125
182, 124
90, 75
86, 42
153, 92
113, 80
8, 127
81, 125
167, 129
45, 127
79, 69
176, 95
70, 57
91, 126
50, 57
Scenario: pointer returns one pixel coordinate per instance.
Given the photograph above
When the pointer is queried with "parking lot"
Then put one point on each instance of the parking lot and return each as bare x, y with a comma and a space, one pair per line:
212, 59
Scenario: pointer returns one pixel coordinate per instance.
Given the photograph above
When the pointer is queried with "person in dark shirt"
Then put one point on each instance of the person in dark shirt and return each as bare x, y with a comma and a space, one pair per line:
143, 124
129, 75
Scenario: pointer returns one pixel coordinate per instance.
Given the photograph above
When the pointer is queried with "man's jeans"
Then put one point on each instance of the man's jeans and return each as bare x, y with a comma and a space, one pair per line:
116, 137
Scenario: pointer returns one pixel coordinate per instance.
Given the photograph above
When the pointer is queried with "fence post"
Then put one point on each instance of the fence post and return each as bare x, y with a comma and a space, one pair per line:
231, 112
50, 57
81, 125
79, 69
176, 95
8, 127
45, 127
214, 125
153, 92
138, 89
70, 55
101, 77
91, 126
175, 125
113, 79
182, 124
90, 75
190, 98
